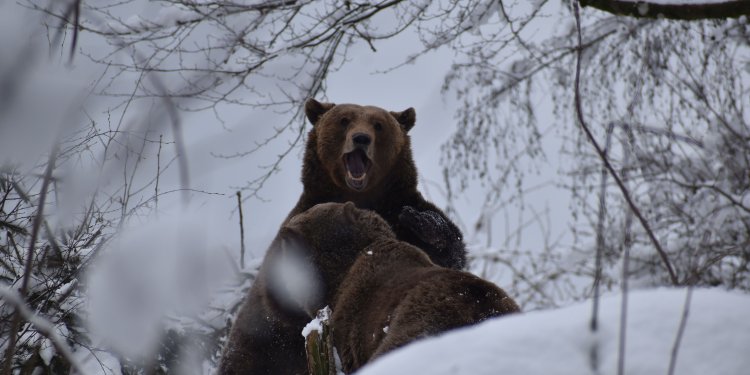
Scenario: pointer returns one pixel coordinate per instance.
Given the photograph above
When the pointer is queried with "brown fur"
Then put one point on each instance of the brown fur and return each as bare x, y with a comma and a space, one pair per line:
373, 281
392, 179
394, 295
265, 338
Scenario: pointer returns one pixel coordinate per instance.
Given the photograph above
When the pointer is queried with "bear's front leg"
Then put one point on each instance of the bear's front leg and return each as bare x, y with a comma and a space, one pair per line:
442, 239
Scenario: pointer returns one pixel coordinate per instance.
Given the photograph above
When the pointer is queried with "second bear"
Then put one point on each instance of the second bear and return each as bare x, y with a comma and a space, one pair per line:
392, 293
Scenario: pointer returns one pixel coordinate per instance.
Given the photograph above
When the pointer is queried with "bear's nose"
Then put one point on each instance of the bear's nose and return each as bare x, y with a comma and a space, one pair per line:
361, 139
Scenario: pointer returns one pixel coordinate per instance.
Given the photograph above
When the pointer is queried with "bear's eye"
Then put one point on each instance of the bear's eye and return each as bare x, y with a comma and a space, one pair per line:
378, 126
345, 121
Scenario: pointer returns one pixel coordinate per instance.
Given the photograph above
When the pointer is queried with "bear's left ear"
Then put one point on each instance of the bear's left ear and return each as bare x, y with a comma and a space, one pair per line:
315, 109
406, 118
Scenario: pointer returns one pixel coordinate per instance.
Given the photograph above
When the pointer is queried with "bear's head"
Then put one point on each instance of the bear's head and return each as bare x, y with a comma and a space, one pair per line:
316, 249
359, 145
332, 228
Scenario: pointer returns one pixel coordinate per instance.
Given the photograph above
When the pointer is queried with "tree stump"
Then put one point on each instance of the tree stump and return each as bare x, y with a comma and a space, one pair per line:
319, 344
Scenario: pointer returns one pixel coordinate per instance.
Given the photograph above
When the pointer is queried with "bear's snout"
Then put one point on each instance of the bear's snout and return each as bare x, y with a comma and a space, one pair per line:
361, 139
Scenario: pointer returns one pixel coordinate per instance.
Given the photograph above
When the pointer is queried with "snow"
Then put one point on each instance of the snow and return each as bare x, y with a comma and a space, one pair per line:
337, 359
317, 324
314, 325
643, 8
47, 351
151, 278
715, 339
173, 15
148, 273
99, 362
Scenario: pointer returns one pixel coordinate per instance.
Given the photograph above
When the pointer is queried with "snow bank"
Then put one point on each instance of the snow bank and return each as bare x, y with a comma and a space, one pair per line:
715, 341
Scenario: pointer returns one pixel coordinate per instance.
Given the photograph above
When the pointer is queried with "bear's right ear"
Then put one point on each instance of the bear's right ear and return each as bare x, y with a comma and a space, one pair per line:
406, 118
315, 109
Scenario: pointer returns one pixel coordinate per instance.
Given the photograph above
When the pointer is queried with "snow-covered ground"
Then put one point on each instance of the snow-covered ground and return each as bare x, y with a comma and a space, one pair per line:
716, 339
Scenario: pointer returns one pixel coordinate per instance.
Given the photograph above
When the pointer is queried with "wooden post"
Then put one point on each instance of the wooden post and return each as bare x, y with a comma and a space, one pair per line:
319, 345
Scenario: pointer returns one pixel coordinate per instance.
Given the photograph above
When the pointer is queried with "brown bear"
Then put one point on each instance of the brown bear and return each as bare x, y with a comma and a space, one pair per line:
362, 154
384, 293
359, 154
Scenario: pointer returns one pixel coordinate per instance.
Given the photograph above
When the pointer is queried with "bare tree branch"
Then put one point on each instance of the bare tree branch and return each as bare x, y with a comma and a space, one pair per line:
605, 160
242, 230
680, 331
687, 11
600, 234
76, 22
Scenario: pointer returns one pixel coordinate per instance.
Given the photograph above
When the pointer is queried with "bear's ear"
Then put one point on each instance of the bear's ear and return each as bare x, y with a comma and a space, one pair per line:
406, 118
315, 109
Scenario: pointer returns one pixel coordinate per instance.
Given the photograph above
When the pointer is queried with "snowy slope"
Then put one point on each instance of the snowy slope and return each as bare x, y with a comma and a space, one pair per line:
716, 340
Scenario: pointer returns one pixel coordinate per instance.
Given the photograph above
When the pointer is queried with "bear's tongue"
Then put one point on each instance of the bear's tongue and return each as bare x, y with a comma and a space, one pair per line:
356, 163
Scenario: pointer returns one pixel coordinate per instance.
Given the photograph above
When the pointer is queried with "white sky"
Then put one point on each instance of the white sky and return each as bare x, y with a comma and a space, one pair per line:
416, 85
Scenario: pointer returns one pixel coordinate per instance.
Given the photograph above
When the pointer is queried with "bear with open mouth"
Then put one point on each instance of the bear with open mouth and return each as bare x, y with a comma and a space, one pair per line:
362, 154
358, 154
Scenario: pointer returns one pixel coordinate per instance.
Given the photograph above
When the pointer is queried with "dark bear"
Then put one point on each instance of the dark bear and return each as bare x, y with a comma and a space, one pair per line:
359, 154
384, 293
362, 154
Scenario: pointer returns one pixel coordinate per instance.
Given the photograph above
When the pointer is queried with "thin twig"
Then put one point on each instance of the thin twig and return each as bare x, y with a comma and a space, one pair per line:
242, 231
158, 173
594, 324
600, 236
626, 244
607, 164
680, 331
623, 312
76, 23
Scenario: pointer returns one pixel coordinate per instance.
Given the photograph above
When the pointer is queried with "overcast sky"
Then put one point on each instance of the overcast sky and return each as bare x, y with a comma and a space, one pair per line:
360, 81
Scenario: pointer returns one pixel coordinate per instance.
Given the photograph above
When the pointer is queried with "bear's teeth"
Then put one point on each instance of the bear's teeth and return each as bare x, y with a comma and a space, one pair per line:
360, 178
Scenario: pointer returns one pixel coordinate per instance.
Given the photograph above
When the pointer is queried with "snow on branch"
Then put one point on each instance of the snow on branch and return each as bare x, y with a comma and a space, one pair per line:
42, 325
673, 9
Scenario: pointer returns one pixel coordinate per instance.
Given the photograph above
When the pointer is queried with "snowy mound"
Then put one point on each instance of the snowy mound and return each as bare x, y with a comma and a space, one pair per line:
715, 340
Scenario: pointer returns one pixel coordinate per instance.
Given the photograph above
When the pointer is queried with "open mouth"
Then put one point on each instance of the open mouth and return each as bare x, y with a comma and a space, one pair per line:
357, 164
